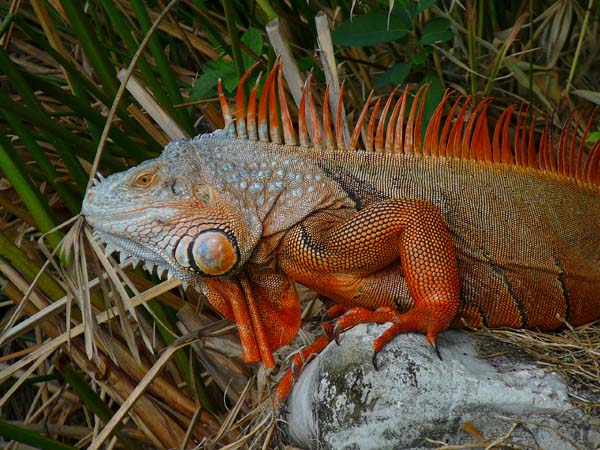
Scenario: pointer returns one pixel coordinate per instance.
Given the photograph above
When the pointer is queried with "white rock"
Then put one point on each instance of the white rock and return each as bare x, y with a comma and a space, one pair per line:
341, 402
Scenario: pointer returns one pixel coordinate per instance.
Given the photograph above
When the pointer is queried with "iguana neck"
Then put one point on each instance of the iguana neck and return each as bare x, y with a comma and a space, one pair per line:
275, 182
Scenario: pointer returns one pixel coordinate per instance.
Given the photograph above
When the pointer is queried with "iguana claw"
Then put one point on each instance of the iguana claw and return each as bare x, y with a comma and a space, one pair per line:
279, 406
374, 360
294, 371
437, 350
336, 333
328, 331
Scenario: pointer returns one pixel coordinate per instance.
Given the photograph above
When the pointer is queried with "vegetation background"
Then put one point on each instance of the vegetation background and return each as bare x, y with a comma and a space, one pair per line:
108, 367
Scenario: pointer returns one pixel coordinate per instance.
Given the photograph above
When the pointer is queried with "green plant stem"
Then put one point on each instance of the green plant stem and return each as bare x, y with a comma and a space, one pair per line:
81, 108
39, 210
150, 77
530, 53
87, 37
471, 14
133, 127
267, 9
586, 20
435, 54
77, 145
118, 97
164, 67
23, 263
50, 172
6, 23
480, 16
93, 401
23, 435
233, 37
35, 109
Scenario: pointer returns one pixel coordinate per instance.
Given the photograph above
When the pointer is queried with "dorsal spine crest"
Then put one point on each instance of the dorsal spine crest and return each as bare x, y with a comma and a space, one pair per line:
460, 135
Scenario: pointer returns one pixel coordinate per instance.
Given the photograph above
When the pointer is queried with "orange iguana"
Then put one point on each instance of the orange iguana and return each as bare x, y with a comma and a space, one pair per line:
462, 227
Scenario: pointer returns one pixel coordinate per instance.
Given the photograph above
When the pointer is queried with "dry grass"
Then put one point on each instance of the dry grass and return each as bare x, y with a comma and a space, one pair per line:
574, 353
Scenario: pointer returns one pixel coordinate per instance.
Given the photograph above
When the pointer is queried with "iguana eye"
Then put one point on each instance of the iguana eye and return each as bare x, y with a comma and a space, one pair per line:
144, 179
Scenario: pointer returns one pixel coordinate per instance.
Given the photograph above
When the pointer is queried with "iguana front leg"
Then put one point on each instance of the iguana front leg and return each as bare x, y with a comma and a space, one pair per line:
372, 258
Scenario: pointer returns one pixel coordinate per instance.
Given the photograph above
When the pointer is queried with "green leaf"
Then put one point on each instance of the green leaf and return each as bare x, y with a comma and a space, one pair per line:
593, 137
16, 173
421, 56
254, 41
206, 84
434, 96
436, 30
590, 96
4, 25
424, 4
394, 75
369, 29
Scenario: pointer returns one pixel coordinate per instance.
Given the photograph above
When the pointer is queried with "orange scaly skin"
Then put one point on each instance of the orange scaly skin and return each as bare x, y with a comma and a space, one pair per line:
353, 259
462, 227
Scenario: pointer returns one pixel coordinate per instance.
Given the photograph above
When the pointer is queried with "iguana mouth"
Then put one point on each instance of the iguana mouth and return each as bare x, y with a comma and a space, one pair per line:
127, 248
139, 252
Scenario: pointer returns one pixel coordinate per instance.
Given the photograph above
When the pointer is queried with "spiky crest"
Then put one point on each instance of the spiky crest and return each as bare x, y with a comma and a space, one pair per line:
455, 137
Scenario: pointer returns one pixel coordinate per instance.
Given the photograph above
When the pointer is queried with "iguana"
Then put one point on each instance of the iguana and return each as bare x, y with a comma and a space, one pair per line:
462, 227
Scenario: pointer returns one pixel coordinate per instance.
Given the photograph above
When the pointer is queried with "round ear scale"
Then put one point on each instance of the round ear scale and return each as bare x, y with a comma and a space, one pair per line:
212, 253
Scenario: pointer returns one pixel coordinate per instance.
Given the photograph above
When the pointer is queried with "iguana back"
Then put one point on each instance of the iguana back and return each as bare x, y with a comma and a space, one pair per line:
527, 242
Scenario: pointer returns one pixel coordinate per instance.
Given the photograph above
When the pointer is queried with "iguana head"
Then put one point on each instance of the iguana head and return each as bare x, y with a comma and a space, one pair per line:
211, 212
172, 213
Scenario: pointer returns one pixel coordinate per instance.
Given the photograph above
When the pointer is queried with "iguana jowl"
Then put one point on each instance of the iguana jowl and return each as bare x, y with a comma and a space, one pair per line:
462, 227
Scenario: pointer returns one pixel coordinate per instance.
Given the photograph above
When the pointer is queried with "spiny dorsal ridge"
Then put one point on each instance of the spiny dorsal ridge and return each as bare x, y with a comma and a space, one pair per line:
449, 134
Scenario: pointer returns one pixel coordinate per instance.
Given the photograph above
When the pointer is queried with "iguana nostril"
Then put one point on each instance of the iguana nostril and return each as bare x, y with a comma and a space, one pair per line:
88, 200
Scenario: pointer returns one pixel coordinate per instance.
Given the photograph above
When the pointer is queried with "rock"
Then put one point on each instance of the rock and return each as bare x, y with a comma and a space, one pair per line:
341, 402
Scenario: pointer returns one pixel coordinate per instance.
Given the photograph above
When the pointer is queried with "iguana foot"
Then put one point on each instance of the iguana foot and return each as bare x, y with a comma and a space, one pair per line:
333, 312
306, 355
423, 320
299, 360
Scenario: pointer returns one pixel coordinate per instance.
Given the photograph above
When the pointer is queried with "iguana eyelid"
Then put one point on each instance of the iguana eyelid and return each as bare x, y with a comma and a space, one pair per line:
145, 179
